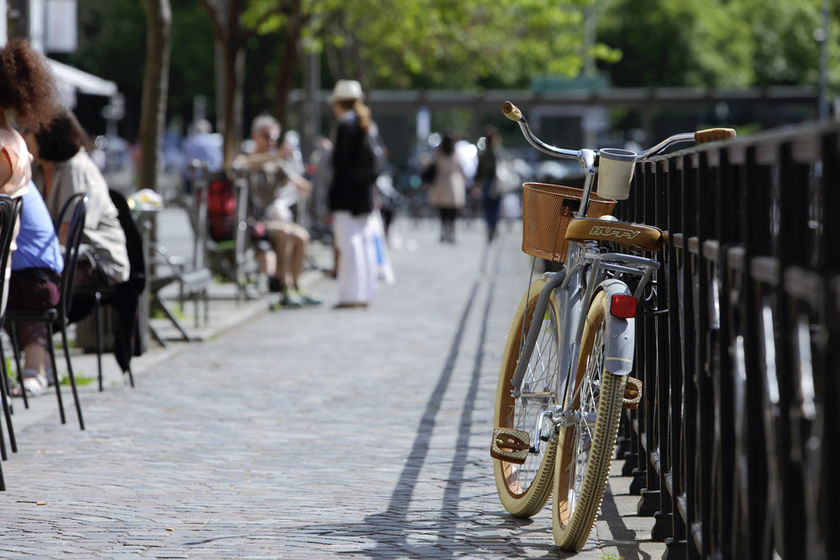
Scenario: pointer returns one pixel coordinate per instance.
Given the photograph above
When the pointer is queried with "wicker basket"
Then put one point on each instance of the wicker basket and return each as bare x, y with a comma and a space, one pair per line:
546, 213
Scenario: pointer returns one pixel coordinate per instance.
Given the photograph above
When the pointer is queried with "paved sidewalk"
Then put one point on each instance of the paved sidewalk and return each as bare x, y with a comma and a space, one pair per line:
302, 433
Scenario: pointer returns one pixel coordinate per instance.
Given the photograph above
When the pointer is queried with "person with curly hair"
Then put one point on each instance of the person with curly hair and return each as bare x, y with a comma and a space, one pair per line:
28, 100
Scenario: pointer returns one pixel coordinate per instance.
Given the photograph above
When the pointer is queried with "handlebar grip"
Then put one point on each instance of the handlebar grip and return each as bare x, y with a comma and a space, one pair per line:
713, 134
511, 111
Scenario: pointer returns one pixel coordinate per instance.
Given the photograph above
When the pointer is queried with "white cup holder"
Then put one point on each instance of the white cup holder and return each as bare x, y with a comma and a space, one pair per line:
615, 172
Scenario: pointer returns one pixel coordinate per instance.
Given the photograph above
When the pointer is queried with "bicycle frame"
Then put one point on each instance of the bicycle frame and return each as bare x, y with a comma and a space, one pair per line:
573, 289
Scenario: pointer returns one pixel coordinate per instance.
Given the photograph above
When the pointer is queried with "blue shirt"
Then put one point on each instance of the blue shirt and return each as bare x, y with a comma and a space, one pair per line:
203, 147
37, 243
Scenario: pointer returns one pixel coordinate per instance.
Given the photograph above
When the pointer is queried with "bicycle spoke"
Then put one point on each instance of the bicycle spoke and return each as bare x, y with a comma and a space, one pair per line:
537, 393
586, 394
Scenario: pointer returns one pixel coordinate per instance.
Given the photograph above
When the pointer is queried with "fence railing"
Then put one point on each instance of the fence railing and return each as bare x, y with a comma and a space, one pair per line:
736, 447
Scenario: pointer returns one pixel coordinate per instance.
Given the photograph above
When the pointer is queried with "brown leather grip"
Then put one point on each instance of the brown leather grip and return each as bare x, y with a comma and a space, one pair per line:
713, 135
511, 111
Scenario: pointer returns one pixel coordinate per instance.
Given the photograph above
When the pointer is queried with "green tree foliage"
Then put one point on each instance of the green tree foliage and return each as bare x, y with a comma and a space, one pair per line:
715, 43
785, 49
451, 44
457, 44
426, 43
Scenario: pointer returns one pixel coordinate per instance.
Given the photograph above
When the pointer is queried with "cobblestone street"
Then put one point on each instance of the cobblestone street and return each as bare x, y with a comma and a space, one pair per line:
305, 433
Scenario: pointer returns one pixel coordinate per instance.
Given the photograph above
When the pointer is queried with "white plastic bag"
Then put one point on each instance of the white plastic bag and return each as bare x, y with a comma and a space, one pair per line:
385, 271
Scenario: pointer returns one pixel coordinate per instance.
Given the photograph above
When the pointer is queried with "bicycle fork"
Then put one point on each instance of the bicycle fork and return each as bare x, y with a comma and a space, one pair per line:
534, 330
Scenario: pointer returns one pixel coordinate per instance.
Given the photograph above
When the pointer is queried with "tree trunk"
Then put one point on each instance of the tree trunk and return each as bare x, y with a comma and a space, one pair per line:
155, 89
233, 70
288, 66
230, 116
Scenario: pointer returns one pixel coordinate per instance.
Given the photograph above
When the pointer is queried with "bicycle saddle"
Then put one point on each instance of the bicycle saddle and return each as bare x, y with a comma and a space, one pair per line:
636, 236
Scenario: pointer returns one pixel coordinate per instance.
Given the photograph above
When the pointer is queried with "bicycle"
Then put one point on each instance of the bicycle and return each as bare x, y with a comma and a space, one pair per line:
559, 398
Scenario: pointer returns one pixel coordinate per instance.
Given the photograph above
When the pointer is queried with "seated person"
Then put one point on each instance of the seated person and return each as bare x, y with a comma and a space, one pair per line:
270, 205
36, 269
68, 169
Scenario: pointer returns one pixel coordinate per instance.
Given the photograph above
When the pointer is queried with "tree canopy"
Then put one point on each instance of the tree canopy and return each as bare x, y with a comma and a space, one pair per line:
717, 43
449, 44
466, 44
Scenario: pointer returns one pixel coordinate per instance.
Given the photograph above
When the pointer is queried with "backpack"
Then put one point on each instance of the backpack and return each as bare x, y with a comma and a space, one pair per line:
372, 162
221, 209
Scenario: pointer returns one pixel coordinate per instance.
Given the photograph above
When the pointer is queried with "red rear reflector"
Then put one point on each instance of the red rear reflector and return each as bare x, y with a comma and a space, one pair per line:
623, 306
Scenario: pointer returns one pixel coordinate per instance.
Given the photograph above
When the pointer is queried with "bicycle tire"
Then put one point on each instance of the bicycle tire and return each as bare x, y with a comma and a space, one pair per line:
578, 495
524, 489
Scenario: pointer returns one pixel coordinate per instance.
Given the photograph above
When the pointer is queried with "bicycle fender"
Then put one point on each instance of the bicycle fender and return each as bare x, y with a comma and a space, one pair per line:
620, 343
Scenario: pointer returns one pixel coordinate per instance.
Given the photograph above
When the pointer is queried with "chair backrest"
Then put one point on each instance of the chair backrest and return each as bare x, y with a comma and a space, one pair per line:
10, 209
133, 242
76, 208
199, 218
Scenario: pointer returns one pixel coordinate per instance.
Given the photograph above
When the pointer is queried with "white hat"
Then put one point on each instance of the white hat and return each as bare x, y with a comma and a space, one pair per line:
346, 90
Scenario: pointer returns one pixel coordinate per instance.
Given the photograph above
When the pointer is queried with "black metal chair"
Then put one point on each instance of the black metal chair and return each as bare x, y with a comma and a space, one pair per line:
193, 280
9, 212
124, 297
56, 317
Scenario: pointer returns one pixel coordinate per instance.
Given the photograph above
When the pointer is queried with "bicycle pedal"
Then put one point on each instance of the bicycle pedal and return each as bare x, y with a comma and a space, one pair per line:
511, 445
632, 393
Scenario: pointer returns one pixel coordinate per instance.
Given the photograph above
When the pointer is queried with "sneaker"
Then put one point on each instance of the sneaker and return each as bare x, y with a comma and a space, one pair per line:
308, 297
34, 384
290, 298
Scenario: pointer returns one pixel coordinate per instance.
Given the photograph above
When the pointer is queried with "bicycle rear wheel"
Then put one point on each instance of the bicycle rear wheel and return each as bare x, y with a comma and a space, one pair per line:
524, 489
585, 448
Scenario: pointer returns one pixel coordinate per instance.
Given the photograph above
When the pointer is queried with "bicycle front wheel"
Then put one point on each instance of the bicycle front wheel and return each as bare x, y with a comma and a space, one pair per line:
524, 489
586, 446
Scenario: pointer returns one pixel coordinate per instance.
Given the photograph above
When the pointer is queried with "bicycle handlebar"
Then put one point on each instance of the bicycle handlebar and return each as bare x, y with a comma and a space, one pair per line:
513, 112
714, 134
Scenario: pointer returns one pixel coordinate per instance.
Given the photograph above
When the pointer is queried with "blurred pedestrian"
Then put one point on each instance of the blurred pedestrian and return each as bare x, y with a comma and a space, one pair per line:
448, 190
485, 177
200, 145
61, 150
319, 171
28, 100
351, 195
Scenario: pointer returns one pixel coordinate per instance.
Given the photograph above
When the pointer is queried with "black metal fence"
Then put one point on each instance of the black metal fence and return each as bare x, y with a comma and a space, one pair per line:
734, 450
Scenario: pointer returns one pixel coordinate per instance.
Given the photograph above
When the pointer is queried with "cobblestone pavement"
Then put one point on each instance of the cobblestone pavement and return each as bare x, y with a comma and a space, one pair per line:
309, 433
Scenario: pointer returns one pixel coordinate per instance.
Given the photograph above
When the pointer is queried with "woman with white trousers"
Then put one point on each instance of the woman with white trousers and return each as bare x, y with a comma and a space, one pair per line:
351, 198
